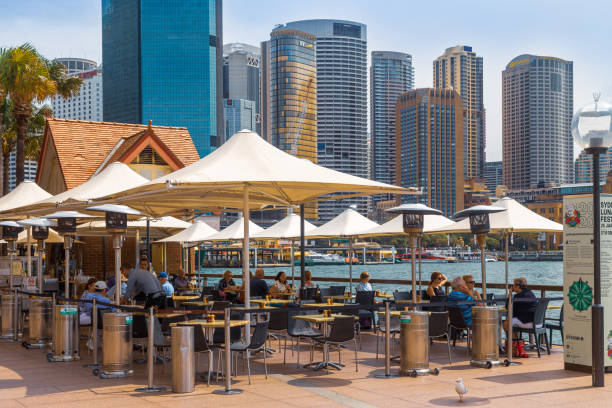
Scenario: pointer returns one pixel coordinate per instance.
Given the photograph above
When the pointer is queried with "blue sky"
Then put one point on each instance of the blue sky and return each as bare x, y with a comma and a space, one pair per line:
498, 30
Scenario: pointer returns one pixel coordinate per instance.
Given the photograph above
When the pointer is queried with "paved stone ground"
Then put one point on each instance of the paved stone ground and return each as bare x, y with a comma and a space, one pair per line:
28, 380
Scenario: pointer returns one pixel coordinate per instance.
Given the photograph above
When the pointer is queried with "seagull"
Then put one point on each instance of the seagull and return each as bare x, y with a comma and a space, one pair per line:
460, 389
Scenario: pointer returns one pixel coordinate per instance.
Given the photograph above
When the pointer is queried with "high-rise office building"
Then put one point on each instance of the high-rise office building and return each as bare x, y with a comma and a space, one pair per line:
29, 170
459, 68
429, 147
163, 61
391, 74
264, 91
241, 64
87, 105
537, 109
493, 175
584, 167
239, 114
341, 60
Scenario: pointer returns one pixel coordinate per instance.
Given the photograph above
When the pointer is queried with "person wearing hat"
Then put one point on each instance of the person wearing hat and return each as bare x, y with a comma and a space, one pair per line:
125, 272
166, 286
99, 294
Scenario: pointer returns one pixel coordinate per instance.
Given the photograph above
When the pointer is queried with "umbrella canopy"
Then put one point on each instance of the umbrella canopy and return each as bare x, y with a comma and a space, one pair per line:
162, 226
395, 226
26, 193
270, 175
198, 231
235, 231
287, 228
349, 223
515, 218
116, 177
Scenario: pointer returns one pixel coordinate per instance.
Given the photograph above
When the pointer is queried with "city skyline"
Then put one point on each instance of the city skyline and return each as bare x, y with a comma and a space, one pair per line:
496, 40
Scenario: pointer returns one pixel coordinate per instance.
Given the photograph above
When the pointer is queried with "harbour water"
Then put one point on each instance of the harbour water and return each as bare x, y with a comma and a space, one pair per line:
544, 273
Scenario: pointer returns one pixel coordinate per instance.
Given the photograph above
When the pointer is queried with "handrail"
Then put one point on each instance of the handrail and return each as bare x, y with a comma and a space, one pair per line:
542, 288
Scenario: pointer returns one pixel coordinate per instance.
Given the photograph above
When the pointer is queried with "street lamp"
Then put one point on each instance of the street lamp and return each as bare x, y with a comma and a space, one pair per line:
116, 224
40, 232
592, 130
479, 225
413, 219
66, 227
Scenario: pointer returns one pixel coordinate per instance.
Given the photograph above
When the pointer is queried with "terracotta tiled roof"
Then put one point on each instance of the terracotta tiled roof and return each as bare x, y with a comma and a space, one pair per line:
82, 146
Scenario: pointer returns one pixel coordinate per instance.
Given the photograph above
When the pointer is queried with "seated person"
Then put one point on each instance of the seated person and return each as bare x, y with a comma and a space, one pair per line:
280, 288
469, 282
98, 293
258, 286
461, 293
523, 306
308, 283
227, 282
166, 286
89, 287
181, 282
364, 284
125, 273
436, 284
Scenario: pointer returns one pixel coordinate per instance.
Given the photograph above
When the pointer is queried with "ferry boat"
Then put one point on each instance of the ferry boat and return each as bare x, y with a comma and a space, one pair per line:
318, 258
426, 257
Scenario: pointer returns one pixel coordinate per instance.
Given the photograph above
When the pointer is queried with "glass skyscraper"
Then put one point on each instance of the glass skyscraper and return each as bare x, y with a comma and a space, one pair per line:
391, 74
241, 82
342, 134
163, 62
537, 109
584, 167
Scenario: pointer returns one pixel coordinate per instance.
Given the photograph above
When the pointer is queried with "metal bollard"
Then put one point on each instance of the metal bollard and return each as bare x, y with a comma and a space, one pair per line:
94, 330
151, 358
387, 373
39, 330
228, 359
183, 361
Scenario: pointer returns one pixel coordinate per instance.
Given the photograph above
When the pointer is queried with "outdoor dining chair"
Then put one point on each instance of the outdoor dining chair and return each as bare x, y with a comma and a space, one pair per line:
337, 290
277, 326
342, 331
257, 343
539, 327
555, 324
300, 330
394, 329
438, 327
457, 325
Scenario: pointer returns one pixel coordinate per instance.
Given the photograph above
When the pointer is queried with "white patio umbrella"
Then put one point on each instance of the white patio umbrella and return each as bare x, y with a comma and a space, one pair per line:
287, 228
27, 192
516, 218
197, 232
348, 224
235, 231
245, 173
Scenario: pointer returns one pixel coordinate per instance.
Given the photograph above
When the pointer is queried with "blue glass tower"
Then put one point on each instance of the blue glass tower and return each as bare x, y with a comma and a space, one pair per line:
165, 64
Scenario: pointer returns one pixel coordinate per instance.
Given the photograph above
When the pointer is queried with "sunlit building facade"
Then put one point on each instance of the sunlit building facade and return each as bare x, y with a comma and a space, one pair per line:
584, 167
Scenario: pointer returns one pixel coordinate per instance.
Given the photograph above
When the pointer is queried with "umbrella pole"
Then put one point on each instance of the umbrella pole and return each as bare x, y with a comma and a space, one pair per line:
67, 245
29, 248
148, 245
137, 248
245, 258
292, 266
165, 261
351, 265
302, 245
41, 246
420, 257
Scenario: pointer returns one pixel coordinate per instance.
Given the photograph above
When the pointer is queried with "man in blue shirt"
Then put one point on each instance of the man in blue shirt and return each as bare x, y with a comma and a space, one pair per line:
461, 293
99, 294
166, 286
258, 286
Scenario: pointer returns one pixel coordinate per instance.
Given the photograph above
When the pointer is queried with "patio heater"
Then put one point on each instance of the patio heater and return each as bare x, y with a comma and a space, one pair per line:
11, 307
66, 227
40, 232
485, 319
412, 218
592, 130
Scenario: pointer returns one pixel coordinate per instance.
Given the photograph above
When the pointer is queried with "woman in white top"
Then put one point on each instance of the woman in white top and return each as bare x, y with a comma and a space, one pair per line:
364, 285
280, 287
308, 283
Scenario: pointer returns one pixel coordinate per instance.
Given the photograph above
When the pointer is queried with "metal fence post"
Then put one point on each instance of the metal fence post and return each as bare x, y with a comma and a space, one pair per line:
387, 373
228, 358
94, 330
150, 357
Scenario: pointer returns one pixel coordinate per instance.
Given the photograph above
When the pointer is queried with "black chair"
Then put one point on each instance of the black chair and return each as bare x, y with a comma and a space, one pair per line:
402, 295
365, 299
434, 299
257, 343
207, 291
438, 327
320, 297
342, 331
337, 290
300, 330
277, 325
308, 293
457, 325
539, 327
394, 328
140, 332
555, 324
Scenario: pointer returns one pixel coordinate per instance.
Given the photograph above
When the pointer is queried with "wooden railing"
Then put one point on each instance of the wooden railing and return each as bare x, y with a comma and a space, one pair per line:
542, 288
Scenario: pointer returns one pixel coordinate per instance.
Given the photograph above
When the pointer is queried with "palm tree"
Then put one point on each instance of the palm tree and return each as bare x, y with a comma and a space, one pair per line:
36, 129
9, 137
26, 77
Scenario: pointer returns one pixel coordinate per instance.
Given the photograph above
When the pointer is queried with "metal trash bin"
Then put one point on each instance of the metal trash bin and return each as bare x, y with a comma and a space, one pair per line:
39, 329
485, 336
183, 359
117, 341
414, 344
9, 301
65, 340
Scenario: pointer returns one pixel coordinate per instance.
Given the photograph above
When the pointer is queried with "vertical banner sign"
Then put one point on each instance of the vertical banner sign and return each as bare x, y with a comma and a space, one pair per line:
578, 278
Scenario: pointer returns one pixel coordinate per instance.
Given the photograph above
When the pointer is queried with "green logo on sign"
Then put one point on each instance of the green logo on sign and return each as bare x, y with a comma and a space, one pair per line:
68, 311
580, 295
128, 319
